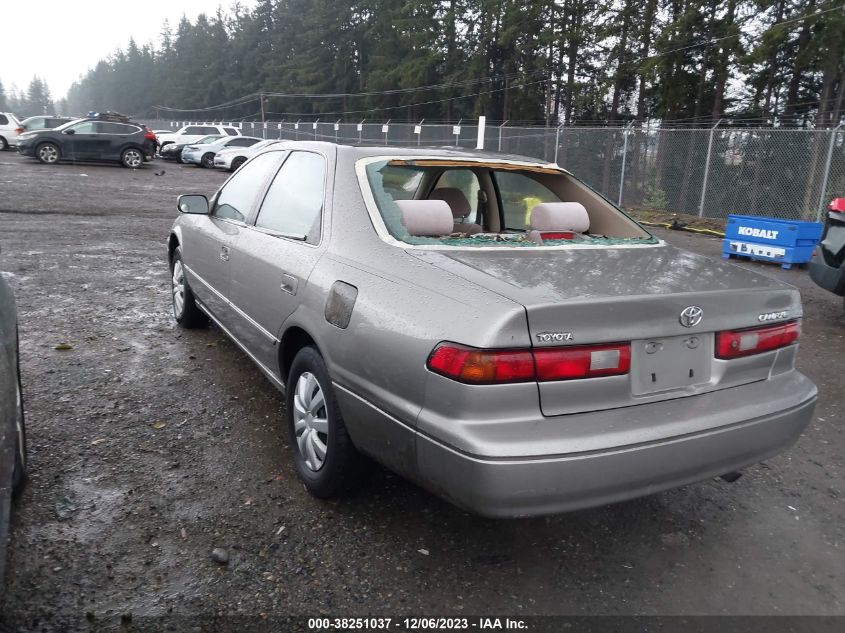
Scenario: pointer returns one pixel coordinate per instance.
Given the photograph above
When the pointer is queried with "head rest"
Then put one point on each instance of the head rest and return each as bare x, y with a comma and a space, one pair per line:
560, 216
455, 198
426, 217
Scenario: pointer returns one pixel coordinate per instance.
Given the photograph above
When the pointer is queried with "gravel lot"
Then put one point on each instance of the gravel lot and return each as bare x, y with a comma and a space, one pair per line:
151, 446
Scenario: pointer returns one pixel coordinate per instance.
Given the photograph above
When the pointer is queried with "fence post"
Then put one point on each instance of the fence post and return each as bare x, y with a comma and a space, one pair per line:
418, 130
707, 170
361, 132
624, 156
280, 129
557, 141
336, 129
385, 128
314, 127
500, 133
826, 176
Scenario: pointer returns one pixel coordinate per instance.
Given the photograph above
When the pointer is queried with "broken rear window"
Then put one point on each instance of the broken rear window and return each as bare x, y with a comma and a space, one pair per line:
493, 204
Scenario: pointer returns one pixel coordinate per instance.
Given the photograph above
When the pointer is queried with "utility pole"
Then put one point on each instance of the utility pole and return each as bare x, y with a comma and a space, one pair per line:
261, 99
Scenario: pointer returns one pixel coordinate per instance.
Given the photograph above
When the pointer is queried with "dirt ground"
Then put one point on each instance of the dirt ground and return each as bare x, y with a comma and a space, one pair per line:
151, 446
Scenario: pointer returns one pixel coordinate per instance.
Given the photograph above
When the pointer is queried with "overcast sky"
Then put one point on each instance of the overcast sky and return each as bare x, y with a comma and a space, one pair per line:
59, 40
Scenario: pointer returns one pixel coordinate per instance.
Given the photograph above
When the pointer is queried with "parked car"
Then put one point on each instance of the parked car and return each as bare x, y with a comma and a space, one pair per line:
827, 268
232, 158
409, 312
105, 138
203, 155
173, 151
192, 133
12, 426
10, 129
44, 122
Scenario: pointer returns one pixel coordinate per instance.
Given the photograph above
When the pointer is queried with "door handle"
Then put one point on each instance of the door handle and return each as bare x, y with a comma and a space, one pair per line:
224, 253
289, 283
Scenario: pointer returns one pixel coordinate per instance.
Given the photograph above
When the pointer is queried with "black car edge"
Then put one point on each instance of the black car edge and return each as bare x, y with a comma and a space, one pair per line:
172, 151
101, 137
827, 267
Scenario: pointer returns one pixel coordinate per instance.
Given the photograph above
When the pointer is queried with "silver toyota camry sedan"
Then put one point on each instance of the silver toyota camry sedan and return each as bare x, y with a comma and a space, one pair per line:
488, 327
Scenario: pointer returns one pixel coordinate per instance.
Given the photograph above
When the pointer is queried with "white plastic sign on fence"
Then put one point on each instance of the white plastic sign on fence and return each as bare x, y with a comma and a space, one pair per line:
384, 129
296, 126
456, 130
336, 127
418, 129
360, 127
314, 126
280, 126
265, 126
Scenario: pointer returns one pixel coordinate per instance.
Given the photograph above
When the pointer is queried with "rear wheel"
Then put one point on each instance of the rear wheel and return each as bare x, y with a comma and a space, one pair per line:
185, 309
240, 160
324, 457
207, 161
132, 158
48, 153
3, 144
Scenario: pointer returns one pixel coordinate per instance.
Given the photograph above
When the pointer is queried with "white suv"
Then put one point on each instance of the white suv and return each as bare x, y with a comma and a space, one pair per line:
191, 133
10, 127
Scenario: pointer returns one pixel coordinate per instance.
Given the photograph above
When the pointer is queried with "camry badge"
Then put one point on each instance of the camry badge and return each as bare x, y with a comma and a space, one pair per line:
691, 316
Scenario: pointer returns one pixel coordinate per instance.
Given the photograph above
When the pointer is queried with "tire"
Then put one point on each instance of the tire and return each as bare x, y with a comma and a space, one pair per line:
4, 144
185, 309
132, 158
338, 469
48, 153
207, 161
19, 473
236, 163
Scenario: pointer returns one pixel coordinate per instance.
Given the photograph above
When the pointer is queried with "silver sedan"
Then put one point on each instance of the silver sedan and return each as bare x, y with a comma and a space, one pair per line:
487, 326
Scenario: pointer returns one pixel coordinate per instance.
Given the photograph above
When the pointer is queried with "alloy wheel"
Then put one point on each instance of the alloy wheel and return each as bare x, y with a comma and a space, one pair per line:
310, 421
132, 158
178, 289
48, 154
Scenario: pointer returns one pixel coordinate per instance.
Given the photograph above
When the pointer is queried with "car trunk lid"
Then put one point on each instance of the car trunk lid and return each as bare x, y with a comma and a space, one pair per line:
584, 296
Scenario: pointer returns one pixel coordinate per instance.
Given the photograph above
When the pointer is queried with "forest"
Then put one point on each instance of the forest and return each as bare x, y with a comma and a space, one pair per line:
570, 62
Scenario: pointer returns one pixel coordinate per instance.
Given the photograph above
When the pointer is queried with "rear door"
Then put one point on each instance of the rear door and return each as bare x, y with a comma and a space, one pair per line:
82, 143
276, 254
209, 243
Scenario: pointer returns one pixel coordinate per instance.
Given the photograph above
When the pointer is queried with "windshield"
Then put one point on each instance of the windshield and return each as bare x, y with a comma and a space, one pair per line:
476, 203
208, 139
69, 123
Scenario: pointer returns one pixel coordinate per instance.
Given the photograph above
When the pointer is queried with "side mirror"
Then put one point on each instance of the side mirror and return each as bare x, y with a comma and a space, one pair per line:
193, 203
70, 131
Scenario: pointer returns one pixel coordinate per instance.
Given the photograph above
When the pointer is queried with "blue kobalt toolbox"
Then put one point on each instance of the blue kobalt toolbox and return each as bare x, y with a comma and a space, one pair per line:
786, 242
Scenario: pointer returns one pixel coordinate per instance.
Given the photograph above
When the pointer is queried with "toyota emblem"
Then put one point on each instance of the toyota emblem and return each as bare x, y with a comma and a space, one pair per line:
691, 316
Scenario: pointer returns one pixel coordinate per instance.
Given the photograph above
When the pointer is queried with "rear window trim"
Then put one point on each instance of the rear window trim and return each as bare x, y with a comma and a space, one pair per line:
381, 228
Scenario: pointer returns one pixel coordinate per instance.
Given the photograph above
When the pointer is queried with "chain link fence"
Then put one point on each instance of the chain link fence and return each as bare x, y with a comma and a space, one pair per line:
784, 173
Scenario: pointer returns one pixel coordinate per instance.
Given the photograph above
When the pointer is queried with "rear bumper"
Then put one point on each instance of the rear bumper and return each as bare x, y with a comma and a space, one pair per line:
512, 486
828, 277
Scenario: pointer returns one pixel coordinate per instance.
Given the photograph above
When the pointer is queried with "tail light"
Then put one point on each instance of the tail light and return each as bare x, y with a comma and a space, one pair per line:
476, 366
19, 130
582, 361
148, 134
756, 340
484, 367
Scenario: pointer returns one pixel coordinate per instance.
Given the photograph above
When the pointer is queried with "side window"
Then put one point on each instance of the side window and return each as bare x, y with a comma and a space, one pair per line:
230, 131
462, 194
294, 202
520, 194
209, 130
241, 142
194, 129
4, 119
237, 197
115, 128
86, 127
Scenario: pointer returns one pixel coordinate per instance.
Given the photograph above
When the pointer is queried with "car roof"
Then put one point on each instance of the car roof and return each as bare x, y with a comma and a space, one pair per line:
366, 151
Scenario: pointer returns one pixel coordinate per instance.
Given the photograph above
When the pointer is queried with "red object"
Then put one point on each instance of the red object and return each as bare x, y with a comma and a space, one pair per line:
19, 130
148, 134
484, 367
477, 366
838, 205
756, 340
561, 235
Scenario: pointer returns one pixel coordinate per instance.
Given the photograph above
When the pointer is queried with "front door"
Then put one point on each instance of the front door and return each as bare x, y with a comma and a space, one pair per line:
275, 256
210, 244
